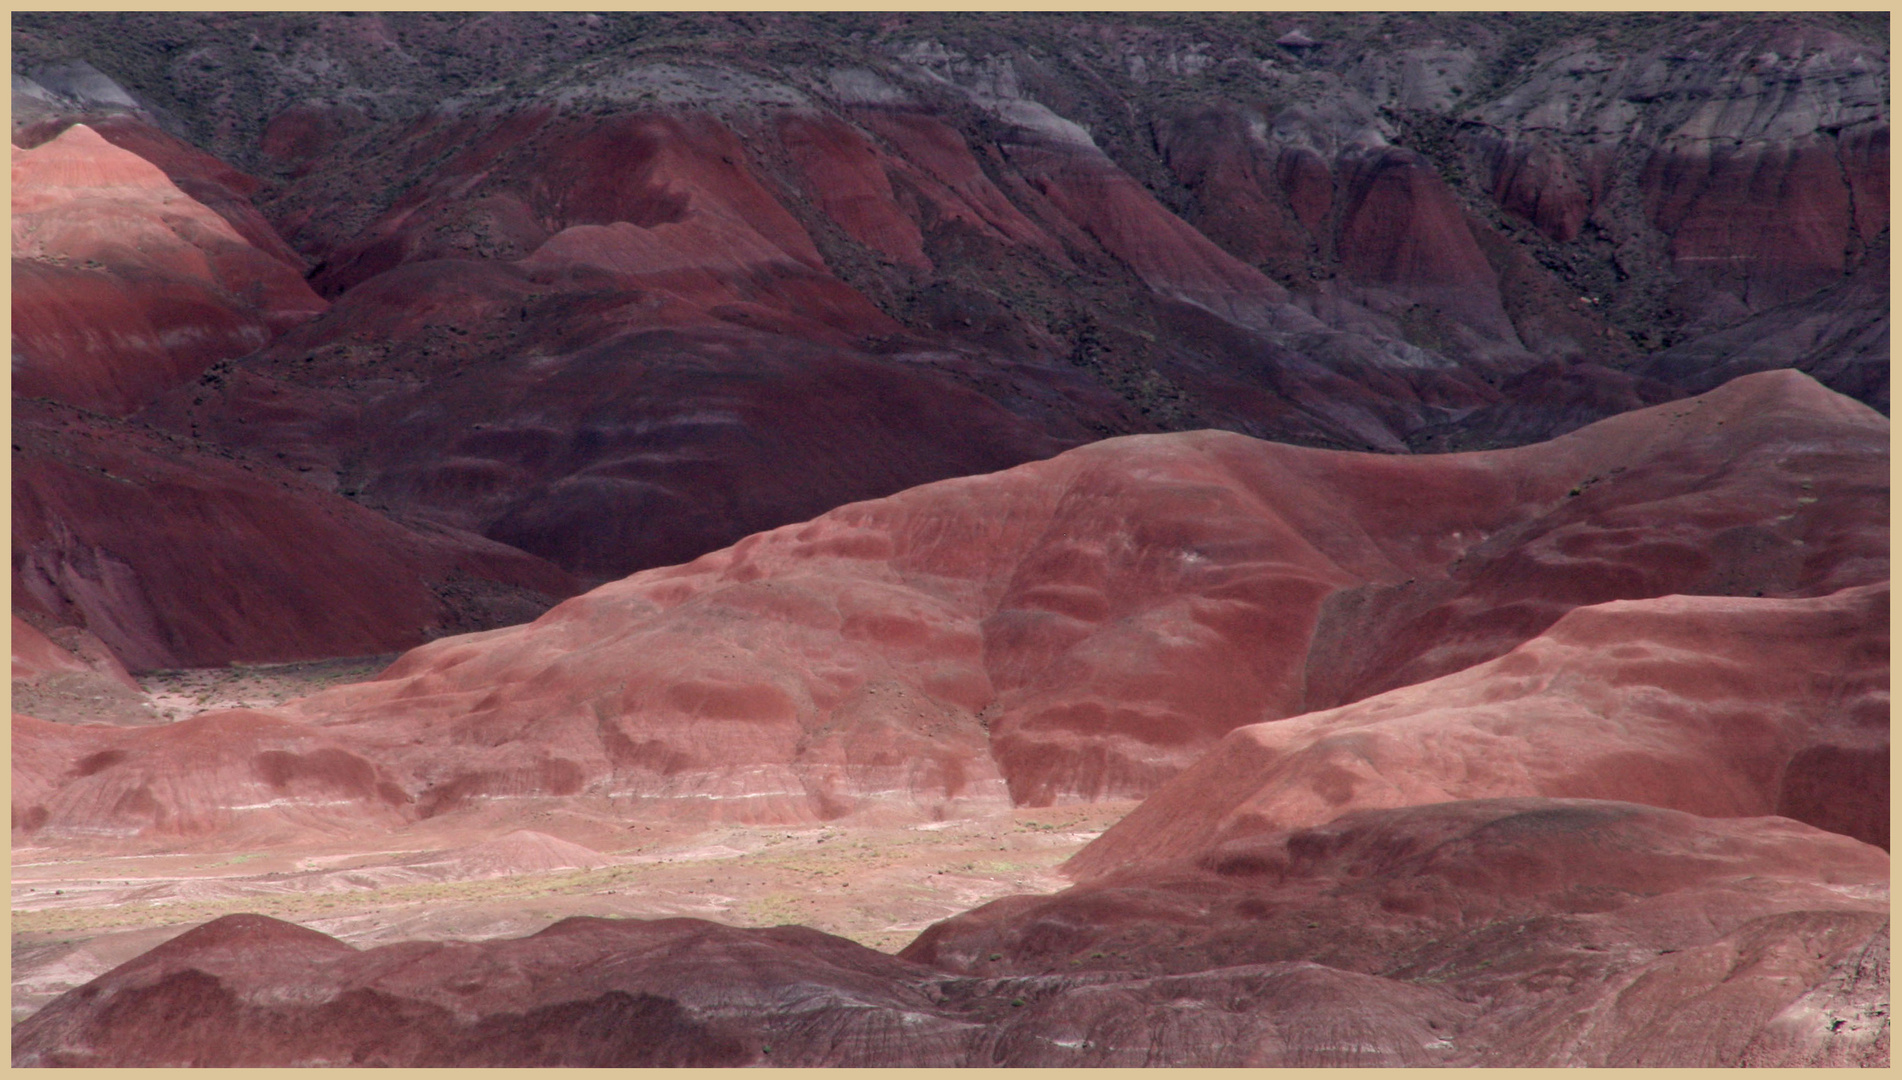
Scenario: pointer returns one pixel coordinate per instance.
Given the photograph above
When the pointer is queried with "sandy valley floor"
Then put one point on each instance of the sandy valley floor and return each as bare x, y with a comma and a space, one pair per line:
74, 918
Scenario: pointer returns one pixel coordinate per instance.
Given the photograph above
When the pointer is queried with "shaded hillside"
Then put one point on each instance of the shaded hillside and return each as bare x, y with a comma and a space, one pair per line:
579, 265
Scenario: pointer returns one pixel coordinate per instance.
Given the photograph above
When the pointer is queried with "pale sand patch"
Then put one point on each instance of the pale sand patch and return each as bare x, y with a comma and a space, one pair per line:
184, 693
76, 918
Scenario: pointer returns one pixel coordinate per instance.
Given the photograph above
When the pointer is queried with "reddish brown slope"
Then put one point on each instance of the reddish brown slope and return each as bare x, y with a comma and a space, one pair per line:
211, 182
1097, 620
36, 656
583, 992
1576, 932
175, 556
1719, 706
935, 161
250, 778
1512, 932
779, 219
1330, 361
1115, 609
1769, 486
564, 171
124, 285
1754, 185
1401, 228
538, 236
1840, 335
619, 352
1088, 626
1760, 210
650, 447
851, 181
75, 678
1445, 200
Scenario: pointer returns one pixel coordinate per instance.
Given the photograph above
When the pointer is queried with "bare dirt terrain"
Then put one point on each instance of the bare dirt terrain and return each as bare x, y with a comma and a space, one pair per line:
74, 919
186, 692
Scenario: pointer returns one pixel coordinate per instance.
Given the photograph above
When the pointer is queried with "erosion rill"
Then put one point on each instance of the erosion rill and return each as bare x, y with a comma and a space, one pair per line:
1024, 540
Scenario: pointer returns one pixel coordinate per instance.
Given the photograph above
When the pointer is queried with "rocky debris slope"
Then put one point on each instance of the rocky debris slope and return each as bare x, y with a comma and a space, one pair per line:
1087, 627
1499, 932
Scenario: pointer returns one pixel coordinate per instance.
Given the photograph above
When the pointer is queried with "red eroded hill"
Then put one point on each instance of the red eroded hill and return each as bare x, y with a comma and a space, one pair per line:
1719, 706
124, 285
1577, 932
1409, 233
952, 251
653, 446
36, 656
1500, 932
1094, 622
1088, 626
584, 992
213, 183
176, 556
74, 678
625, 353
249, 777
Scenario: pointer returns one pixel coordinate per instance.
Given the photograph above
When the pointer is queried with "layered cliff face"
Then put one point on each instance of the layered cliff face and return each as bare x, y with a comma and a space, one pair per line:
967, 244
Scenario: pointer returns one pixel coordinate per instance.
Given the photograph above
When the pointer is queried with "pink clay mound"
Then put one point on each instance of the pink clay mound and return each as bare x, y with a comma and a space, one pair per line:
1089, 626
124, 285
1716, 706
